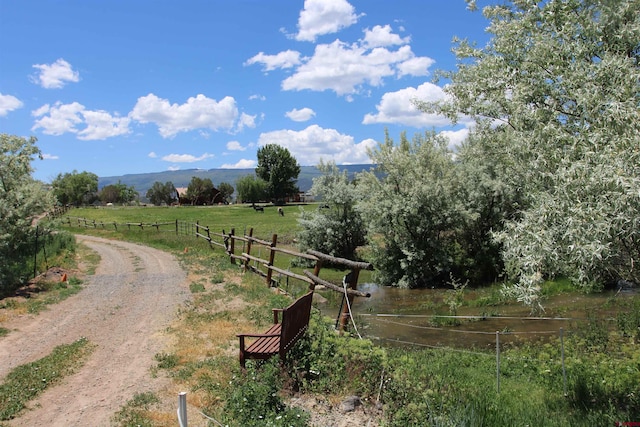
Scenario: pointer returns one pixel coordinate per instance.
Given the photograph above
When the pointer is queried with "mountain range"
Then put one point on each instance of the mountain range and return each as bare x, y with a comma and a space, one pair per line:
181, 178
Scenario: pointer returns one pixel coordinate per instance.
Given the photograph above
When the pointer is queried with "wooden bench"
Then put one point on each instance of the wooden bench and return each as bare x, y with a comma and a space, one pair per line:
282, 335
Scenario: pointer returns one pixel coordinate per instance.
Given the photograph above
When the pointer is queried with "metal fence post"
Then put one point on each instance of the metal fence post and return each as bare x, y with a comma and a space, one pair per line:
182, 409
498, 360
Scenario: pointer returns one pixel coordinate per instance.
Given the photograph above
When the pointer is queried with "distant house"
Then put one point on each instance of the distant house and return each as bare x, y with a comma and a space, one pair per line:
182, 196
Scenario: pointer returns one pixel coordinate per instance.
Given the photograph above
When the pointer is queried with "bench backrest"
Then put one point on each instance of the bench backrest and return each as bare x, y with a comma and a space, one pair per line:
295, 320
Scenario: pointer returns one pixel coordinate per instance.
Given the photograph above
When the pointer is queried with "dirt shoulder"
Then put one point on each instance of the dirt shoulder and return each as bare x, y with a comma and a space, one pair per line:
123, 310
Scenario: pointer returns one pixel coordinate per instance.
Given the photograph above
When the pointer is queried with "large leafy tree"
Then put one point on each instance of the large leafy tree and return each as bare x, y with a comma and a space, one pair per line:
555, 95
21, 200
279, 169
251, 189
201, 191
76, 188
337, 227
226, 190
160, 193
117, 193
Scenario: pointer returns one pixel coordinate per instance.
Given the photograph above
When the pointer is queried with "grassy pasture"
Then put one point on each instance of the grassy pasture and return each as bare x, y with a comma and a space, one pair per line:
218, 218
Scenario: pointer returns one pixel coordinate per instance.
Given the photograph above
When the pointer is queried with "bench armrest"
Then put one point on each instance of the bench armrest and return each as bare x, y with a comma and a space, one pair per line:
275, 314
258, 335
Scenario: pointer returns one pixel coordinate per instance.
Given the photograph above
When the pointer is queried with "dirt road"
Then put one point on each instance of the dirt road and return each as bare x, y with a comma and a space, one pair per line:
123, 310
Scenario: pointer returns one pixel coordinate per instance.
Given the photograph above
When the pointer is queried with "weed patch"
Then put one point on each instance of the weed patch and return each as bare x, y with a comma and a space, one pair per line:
27, 381
136, 412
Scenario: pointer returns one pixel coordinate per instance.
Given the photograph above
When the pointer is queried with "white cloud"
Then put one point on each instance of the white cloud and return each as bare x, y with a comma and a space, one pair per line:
310, 145
381, 36
241, 164
102, 125
257, 97
246, 121
416, 66
9, 103
286, 59
397, 107
173, 168
62, 118
152, 155
68, 118
197, 113
235, 146
49, 156
301, 115
345, 68
341, 68
455, 137
324, 17
186, 158
56, 75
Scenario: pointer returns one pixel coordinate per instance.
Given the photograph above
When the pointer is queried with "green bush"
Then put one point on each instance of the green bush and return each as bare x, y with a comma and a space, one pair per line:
255, 400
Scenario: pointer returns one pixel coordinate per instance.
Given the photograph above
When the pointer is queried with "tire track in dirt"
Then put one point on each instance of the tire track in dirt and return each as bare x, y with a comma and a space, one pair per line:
123, 310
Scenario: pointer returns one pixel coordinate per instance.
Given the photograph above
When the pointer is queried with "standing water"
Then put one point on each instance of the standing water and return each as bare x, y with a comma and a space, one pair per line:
421, 317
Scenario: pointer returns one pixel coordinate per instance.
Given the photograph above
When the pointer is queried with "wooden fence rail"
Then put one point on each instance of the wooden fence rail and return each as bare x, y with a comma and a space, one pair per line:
257, 263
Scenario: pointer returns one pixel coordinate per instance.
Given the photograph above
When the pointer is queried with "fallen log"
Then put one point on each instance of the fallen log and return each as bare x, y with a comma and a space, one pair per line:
319, 281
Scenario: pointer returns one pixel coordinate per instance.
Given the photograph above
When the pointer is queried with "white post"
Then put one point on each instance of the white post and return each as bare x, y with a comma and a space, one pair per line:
498, 360
182, 409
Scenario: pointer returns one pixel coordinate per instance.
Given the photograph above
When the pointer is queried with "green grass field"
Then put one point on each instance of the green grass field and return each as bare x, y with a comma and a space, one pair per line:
218, 218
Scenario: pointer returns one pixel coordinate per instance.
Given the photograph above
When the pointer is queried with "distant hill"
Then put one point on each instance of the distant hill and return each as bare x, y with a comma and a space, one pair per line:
181, 178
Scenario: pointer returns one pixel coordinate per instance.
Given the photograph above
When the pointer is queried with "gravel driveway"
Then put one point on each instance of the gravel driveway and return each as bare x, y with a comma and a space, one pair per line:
124, 310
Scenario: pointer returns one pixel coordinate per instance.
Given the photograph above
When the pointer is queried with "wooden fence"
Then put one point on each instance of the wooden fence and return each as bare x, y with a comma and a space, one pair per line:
247, 250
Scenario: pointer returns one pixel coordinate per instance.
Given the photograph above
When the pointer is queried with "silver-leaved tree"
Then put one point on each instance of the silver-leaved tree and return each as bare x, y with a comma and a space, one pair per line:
21, 200
556, 100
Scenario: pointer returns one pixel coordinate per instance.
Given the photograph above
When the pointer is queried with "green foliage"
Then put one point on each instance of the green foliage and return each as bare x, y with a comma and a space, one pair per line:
250, 189
255, 398
166, 361
555, 98
336, 228
135, 411
160, 193
226, 190
27, 381
117, 193
334, 363
200, 192
22, 199
279, 169
76, 188
414, 212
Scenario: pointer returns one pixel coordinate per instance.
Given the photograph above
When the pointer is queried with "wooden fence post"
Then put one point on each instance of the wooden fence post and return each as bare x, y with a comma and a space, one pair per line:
351, 280
232, 245
246, 262
272, 255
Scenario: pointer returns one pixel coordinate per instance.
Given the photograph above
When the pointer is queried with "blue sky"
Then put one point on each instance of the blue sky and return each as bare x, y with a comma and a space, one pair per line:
120, 86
